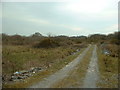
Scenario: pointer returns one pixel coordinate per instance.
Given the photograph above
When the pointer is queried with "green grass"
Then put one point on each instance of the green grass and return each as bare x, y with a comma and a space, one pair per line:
24, 57
108, 67
75, 78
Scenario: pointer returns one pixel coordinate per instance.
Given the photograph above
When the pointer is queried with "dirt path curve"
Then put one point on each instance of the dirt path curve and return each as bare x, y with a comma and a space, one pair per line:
52, 79
92, 73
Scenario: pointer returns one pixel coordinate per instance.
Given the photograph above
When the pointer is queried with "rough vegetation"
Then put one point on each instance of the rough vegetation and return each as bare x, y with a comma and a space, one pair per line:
47, 43
23, 52
108, 66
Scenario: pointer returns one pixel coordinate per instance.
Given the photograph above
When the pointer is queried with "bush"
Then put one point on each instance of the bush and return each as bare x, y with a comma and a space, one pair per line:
47, 43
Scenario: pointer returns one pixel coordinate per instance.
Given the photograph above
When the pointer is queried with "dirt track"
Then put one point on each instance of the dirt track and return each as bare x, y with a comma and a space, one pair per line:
52, 79
92, 73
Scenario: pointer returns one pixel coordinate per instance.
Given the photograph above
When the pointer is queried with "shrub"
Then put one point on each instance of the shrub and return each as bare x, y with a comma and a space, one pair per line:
47, 43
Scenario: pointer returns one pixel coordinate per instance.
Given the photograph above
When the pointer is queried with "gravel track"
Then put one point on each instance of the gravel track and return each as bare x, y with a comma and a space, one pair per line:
92, 73
62, 73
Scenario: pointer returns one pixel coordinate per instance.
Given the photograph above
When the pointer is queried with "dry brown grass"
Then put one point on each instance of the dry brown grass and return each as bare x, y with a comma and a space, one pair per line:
57, 57
108, 67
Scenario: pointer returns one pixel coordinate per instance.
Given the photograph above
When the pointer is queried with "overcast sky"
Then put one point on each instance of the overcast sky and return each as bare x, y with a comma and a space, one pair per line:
70, 17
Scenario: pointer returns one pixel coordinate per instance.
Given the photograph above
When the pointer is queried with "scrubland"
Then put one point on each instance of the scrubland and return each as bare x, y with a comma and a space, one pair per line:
54, 52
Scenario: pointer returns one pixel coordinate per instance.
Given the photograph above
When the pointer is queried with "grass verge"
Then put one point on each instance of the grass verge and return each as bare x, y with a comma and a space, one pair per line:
108, 67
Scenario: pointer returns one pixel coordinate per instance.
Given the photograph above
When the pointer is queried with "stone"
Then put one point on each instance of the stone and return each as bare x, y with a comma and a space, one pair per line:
24, 74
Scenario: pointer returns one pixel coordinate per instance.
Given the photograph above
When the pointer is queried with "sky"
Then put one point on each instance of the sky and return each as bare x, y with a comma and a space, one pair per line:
59, 17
